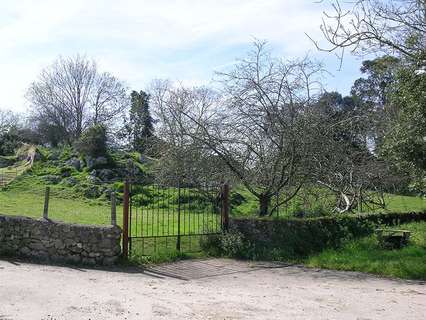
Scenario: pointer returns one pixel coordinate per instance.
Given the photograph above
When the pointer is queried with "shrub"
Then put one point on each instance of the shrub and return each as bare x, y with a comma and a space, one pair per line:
9, 142
66, 153
232, 243
66, 171
229, 244
93, 142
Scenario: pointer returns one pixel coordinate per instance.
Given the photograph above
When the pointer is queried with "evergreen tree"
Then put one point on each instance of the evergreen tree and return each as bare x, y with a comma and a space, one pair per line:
141, 122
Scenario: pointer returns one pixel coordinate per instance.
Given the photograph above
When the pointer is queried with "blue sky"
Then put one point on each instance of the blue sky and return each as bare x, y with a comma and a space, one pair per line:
137, 41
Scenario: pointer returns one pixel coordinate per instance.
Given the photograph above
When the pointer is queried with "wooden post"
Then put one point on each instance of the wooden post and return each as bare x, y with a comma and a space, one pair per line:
113, 209
225, 210
126, 197
46, 203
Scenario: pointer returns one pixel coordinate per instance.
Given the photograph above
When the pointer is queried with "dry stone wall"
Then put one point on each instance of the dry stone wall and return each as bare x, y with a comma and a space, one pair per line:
46, 240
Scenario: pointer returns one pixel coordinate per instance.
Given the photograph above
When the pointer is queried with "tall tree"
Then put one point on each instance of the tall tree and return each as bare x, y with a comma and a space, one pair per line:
374, 88
373, 95
141, 122
405, 140
72, 95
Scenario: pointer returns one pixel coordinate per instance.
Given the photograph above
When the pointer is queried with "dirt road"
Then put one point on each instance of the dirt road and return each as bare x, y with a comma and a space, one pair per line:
208, 289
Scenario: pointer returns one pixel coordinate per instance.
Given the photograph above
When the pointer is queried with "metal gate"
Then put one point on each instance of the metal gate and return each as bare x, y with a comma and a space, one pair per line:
168, 218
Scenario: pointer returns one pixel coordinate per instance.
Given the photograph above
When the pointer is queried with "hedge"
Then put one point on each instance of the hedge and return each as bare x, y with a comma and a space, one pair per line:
294, 238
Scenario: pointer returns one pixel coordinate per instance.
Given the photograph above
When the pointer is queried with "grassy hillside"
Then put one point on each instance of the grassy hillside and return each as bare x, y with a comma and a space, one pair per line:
77, 194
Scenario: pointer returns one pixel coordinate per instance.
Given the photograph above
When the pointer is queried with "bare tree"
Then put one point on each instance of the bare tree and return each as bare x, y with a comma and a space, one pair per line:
256, 125
369, 26
341, 160
9, 120
182, 159
72, 95
109, 99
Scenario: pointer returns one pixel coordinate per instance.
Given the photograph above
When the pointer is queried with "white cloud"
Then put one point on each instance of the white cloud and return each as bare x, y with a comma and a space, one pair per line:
141, 40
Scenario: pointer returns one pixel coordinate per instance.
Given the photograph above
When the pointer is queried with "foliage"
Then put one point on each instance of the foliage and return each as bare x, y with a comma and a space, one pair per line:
374, 89
141, 127
228, 244
93, 142
405, 143
9, 142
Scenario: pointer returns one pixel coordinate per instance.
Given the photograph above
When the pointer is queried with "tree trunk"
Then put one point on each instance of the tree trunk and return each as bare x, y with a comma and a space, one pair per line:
264, 202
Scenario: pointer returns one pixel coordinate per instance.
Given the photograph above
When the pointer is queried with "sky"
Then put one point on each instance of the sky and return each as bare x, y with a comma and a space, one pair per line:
141, 40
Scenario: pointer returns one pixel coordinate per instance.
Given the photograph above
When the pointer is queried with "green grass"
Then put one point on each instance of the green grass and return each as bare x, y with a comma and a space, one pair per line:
25, 197
317, 202
68, 210
366, 255
398, 203
158, 250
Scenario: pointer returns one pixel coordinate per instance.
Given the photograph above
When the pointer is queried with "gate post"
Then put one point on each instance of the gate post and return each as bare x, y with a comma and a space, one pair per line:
178, 222
113, 209
126, 197
225, 207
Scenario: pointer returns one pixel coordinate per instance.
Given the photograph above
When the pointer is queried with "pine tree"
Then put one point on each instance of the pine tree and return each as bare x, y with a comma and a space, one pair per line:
141, 122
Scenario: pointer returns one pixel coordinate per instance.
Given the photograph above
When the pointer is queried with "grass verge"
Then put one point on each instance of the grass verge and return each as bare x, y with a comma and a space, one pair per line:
365, 255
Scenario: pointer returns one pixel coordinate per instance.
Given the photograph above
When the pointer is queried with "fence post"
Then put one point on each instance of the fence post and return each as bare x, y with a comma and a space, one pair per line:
46, 203
113, 209
126, 197
225, 207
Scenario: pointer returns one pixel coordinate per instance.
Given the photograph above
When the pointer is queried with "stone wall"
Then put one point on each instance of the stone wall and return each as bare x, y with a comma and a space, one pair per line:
291, 238
46, 240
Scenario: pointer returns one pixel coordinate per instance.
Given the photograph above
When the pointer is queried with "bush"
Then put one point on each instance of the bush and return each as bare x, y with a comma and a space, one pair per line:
66, 171
93, 142
9, 142
66, 153
230, 244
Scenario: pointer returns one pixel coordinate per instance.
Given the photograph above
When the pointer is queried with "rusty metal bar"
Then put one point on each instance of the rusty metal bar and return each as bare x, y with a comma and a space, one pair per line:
113, 209
126, 197
225, 204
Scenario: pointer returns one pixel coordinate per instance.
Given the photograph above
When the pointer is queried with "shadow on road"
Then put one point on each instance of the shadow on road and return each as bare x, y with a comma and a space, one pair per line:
208, 268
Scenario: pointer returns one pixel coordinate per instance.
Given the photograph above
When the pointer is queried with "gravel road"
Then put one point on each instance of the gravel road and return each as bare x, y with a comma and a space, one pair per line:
204, 289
